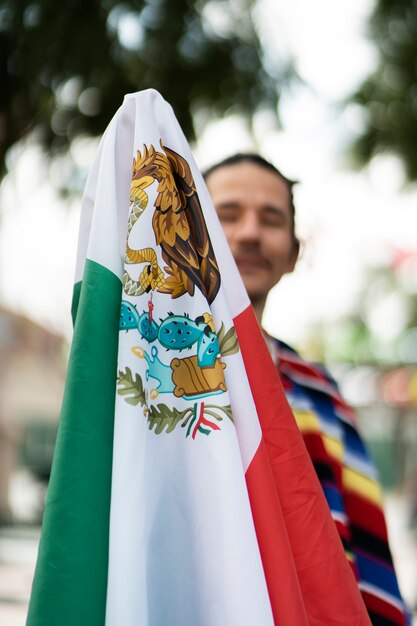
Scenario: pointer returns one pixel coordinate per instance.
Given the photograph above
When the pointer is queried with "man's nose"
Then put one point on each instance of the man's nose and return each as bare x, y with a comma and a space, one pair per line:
248, 228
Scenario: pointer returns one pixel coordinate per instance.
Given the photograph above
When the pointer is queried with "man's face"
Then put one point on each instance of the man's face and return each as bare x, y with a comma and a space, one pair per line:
253, 205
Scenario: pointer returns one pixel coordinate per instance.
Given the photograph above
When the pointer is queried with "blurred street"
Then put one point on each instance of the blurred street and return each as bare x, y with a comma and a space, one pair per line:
404, 547
18, 549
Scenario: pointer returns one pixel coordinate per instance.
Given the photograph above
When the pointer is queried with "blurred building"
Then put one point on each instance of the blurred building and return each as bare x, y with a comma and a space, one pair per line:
32, 375
385, 398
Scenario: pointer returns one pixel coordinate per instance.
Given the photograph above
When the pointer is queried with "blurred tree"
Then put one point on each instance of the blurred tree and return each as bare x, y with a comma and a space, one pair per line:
389, 95
382, 327
65, 68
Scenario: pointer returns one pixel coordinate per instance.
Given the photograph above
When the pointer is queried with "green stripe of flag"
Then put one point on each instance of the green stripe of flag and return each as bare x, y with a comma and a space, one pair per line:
75, 300
70, 581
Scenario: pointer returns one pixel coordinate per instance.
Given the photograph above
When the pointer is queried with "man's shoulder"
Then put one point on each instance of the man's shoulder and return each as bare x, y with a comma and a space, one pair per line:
308, 373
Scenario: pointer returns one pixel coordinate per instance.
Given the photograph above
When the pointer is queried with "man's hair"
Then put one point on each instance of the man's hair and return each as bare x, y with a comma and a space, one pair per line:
256, 159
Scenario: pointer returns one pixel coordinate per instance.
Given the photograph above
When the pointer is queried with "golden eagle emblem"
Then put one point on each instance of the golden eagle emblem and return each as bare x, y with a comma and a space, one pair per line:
179, 227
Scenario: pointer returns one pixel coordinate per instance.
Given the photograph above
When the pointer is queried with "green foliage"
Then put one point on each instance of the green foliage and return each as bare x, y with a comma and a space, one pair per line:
131, 387
228, 342
161, 416
65, 68
359, 338
212, 409
389, 96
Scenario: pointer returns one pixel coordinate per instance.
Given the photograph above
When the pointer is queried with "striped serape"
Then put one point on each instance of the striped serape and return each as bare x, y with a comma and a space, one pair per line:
348, 478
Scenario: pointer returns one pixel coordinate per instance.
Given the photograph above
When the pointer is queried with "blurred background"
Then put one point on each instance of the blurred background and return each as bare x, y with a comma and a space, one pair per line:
328, 92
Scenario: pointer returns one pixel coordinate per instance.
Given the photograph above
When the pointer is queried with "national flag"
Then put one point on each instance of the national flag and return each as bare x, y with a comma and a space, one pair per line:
181, 491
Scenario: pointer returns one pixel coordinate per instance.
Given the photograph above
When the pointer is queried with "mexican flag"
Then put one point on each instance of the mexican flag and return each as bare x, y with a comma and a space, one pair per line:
181, 491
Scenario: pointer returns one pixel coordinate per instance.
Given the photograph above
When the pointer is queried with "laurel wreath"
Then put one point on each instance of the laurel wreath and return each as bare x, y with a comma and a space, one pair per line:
161, 417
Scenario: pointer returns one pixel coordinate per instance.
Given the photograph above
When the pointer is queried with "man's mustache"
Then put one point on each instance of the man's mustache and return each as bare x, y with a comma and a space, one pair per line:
251, 255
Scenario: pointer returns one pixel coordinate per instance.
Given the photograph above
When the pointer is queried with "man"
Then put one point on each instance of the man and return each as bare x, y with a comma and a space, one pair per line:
254, 202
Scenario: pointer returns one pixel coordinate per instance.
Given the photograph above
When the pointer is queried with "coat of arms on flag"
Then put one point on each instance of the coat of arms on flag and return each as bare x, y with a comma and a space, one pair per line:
181, 355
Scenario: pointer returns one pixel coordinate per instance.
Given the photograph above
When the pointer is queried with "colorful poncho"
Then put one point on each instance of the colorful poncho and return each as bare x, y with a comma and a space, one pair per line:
348, 478
181, 491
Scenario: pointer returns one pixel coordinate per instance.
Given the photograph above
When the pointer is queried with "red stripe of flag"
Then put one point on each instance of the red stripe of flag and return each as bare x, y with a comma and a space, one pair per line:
307, 573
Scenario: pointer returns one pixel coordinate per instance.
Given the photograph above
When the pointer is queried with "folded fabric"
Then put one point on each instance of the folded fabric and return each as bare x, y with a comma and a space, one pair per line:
181, 490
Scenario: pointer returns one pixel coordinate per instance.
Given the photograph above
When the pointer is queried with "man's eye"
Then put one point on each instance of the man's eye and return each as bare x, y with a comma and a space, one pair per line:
273, 218
227, 216
274, 221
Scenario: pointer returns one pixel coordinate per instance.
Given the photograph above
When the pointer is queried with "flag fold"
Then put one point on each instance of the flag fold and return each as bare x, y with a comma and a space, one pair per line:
181, 491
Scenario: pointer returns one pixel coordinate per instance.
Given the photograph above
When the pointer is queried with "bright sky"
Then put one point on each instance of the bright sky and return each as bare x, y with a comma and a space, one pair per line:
348, 220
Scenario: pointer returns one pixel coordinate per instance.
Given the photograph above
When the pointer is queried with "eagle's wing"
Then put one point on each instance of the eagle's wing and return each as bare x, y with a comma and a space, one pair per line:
190, 249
